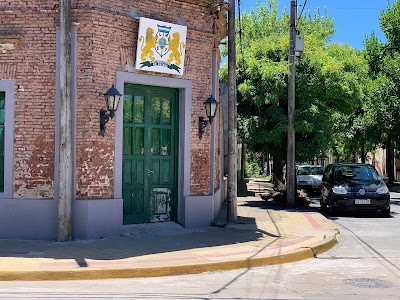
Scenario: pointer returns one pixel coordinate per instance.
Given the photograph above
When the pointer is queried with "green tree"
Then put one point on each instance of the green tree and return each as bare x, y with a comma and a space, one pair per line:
383, 97
390, 20
329, 79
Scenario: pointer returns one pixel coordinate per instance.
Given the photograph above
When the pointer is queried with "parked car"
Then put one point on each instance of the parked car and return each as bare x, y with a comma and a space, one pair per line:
354, 187
309, 177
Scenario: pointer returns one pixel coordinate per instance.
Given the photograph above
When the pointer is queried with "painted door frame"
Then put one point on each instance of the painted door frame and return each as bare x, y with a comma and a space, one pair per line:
184, 139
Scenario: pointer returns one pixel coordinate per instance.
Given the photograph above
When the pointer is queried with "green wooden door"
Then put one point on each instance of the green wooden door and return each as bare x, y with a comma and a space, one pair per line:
149, 154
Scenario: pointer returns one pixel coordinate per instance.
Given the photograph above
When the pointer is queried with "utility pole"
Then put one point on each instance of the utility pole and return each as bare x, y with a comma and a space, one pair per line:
232, 141
290, 165
65, 195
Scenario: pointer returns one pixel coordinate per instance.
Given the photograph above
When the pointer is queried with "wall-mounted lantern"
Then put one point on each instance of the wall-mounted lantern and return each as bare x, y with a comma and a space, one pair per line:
211, 106
112, 98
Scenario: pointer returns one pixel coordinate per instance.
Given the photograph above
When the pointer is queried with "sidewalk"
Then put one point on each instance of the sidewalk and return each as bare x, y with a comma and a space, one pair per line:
265, 234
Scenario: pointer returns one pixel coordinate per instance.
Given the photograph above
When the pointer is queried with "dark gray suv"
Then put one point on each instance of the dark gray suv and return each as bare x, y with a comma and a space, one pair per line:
354, 187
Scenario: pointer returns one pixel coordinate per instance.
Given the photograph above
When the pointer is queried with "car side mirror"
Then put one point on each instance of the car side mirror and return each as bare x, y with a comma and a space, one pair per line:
385, 179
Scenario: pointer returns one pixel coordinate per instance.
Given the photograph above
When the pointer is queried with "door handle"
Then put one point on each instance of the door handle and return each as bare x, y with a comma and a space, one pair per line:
150, 172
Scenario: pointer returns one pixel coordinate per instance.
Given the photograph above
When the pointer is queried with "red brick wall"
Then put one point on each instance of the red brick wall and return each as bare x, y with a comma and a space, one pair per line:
33, 61
105, 32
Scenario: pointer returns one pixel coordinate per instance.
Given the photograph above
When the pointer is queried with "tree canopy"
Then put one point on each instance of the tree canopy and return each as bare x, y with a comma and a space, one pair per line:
382, 122
330, 82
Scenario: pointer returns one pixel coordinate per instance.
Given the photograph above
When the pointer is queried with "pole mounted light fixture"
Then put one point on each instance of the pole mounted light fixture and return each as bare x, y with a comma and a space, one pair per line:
211, 106
112, 98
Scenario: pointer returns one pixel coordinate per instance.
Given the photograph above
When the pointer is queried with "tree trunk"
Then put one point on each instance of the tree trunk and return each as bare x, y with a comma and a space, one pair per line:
277, 170
390, 161
363, 152
243, 163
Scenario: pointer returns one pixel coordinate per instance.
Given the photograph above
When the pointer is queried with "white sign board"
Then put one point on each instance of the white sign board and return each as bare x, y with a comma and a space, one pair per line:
161, 47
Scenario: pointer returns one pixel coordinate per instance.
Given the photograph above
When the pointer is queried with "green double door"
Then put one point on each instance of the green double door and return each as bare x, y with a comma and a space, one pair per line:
150, 139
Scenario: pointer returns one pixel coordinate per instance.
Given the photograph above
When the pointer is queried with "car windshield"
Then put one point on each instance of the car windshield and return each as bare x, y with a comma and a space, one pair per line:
356, 172
310, 171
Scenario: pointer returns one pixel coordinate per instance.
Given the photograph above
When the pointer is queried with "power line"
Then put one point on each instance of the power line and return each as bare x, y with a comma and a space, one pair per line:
241, 70
240, 33
301, 13
355, 8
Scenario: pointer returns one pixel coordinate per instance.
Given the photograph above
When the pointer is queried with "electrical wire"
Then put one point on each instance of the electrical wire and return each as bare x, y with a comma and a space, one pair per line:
241, 35
301, 13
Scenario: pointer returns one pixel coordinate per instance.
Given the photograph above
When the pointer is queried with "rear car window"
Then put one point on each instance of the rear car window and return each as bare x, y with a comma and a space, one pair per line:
310, 171
356, 172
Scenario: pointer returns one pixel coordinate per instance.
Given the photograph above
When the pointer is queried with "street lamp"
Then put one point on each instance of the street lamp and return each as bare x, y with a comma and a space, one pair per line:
112, 98
211, 106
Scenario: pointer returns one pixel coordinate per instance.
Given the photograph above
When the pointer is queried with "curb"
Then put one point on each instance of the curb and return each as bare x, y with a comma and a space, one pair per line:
297, 255
332, 242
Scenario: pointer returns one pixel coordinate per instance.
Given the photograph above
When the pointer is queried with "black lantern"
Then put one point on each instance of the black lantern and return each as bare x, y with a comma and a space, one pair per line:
112, 97
211, 106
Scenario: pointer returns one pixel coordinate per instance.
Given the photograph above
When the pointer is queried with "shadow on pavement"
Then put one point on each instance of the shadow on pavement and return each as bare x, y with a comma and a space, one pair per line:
125, 247
270, 197
152, 238
157, 238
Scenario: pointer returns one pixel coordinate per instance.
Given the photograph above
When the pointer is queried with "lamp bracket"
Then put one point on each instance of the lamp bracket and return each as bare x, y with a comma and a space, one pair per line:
104, 118
202, 125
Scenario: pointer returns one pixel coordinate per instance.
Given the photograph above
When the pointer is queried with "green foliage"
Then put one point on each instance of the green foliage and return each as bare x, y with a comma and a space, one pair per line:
252, 169
373, 54
390, 20
330, 81
375, 123
382, 103
347, 101
254, 165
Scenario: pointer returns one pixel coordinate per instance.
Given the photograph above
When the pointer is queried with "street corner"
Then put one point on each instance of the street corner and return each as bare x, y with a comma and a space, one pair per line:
327, 231
319, 221
331, 236
325, 244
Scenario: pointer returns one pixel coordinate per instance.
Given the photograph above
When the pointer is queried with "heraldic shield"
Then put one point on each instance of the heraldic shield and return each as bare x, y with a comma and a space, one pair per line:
162, 42
161, 47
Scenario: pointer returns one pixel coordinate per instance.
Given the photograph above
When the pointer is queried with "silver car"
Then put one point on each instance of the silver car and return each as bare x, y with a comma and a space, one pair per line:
309, 177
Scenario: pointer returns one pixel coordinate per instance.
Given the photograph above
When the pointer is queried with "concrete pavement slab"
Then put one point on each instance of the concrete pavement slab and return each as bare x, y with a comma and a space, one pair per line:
265, 233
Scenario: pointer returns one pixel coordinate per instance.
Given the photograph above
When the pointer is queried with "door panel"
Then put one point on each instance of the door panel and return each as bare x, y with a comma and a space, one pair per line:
149, 154
166, 170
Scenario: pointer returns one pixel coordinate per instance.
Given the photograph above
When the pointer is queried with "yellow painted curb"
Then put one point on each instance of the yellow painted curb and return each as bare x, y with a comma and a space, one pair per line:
332, 242
80, 274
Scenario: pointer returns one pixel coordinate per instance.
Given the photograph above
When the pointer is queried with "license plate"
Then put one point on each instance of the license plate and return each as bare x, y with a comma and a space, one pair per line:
362, 201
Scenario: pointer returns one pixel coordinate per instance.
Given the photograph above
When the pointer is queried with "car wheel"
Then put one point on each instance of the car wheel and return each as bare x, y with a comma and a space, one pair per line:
385, 212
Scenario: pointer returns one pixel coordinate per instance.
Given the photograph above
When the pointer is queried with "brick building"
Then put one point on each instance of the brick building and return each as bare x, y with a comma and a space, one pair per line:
151, 164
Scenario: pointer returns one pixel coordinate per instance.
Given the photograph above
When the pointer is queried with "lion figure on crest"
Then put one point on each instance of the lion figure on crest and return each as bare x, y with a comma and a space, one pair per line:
175, 48
148, 44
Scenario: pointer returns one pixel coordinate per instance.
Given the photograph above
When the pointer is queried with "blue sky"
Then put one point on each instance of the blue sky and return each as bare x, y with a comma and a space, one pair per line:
353, 18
